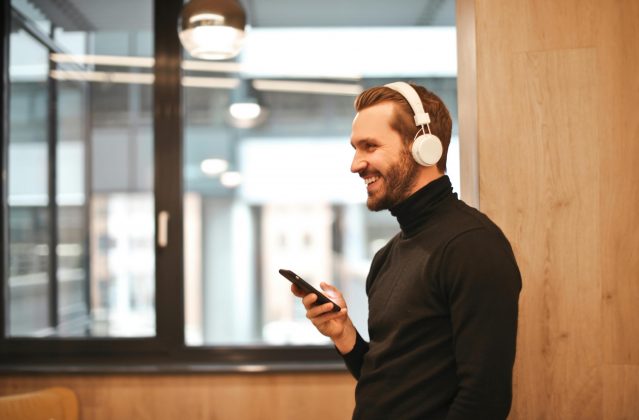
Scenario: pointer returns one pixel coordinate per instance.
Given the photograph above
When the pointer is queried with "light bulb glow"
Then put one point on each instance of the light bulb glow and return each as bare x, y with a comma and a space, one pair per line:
245, 110
207, 17
212, 42
214, 167
231, 179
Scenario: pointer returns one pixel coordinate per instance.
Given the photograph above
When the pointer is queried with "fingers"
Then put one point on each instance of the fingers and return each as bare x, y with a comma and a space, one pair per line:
297, 291
319, 314
309, 300
328, 287
313, 311
333, 293
326, 316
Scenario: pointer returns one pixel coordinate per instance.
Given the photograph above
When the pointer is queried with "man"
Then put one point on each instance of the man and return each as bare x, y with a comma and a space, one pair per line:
443, 293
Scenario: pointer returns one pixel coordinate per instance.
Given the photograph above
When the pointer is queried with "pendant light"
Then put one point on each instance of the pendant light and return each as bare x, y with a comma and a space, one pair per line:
245, 108
212, 29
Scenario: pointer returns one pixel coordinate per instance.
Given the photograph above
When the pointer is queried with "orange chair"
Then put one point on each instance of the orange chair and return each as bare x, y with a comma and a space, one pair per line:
48, 404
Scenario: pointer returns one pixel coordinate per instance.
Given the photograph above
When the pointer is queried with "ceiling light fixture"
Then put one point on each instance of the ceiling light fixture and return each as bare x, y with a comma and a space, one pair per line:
231, 179
210, 82
245, 109
212, 29
214, 167
348, 89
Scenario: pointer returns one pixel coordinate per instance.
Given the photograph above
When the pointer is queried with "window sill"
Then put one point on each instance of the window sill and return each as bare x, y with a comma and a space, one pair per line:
172, 368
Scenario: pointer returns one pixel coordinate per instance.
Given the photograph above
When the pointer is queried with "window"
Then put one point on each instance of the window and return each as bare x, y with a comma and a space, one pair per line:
105, 148
80, 193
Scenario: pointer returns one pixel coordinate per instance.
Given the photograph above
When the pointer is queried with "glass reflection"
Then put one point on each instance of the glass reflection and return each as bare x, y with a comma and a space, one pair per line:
81, 212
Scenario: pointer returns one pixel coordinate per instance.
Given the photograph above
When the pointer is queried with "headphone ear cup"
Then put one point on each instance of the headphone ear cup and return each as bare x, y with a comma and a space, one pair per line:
427, 149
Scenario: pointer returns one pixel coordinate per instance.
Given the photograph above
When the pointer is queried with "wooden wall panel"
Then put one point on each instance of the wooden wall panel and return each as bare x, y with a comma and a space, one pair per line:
555, 102
558, 139
529, 25
202, 397
619, 119
551, 187
621, 390
467, 103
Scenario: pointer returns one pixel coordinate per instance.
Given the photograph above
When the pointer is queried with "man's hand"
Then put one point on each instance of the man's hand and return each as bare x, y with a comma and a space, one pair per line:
335, 325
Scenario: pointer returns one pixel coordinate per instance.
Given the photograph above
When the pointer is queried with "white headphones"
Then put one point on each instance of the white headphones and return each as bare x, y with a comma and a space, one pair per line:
427, 148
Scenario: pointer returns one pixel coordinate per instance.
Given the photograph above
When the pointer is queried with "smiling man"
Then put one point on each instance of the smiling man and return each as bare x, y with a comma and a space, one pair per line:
442, 294
382, 159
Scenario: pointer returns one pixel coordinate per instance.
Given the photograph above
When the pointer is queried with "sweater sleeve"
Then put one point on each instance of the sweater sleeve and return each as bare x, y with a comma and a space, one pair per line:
354, 359
482, 284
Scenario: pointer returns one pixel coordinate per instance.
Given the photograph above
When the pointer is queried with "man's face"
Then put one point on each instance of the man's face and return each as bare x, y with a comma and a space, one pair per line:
381, 159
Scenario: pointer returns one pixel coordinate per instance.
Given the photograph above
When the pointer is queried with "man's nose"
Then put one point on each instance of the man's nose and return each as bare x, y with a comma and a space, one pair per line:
358, 164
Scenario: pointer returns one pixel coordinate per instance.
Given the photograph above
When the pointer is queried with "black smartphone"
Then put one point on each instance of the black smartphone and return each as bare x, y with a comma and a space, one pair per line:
307, 288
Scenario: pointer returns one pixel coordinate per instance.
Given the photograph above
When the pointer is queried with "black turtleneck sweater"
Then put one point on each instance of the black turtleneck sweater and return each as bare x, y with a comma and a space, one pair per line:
443, 297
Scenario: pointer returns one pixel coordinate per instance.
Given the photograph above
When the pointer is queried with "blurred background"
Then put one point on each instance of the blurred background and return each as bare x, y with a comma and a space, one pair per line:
265, 165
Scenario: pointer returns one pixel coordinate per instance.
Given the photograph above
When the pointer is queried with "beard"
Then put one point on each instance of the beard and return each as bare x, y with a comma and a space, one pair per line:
398, 183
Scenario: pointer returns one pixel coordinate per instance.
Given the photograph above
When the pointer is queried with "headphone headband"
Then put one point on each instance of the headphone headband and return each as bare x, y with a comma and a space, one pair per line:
427, 148
411, 96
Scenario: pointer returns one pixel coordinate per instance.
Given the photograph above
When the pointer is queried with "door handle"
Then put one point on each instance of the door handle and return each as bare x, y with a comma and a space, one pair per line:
163, 229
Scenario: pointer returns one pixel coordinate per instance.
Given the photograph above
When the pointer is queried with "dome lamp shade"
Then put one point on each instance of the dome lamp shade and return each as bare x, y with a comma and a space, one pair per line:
212, 29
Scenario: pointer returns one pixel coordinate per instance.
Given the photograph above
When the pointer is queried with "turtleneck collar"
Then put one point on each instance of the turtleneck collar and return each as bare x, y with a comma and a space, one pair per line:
416, 209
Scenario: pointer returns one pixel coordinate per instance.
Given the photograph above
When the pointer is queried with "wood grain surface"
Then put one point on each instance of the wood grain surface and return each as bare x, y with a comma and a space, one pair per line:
202, 396
557, 91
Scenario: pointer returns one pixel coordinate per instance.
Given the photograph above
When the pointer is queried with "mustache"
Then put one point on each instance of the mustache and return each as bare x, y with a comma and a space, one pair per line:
370, 173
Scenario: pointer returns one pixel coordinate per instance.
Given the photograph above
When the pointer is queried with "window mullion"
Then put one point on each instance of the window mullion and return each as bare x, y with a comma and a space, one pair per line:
52, 206
167, 115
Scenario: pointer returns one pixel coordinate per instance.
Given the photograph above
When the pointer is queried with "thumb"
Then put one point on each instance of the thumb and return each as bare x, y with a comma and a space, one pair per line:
329, 288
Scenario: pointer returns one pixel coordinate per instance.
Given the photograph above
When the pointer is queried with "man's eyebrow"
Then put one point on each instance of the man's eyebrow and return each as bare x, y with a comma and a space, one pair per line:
363, 140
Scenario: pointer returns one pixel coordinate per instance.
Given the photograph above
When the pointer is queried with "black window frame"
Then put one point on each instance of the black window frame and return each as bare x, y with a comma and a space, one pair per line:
167, 351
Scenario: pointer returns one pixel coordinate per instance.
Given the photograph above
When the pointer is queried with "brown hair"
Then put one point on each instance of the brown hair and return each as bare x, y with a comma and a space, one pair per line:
403, 122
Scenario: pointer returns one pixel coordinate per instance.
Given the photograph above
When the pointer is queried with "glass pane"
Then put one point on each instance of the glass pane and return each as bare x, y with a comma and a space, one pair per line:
277, 192
28, 9
29, 221
97, 98
73, 310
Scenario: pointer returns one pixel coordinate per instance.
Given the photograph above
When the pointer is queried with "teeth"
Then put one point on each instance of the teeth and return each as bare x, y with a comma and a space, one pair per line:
370, 180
